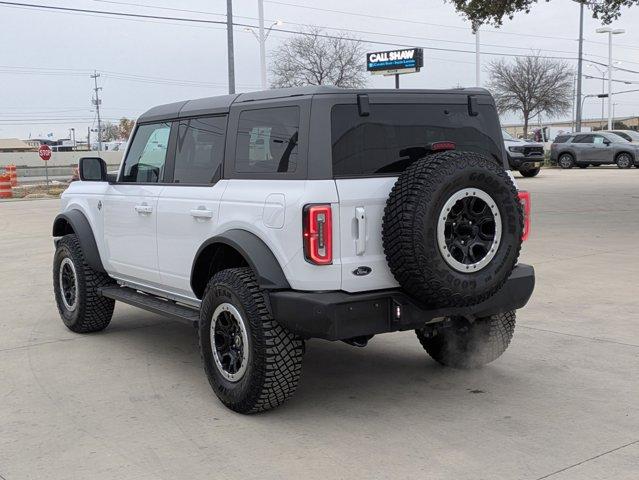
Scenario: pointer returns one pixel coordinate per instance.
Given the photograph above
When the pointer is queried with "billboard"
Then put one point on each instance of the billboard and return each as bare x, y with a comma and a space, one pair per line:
392, 62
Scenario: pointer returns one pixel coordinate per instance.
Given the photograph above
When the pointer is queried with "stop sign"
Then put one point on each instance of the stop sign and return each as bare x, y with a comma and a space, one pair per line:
45, 152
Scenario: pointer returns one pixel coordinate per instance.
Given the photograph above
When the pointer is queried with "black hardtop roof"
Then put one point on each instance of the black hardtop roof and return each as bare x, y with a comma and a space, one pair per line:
222, 103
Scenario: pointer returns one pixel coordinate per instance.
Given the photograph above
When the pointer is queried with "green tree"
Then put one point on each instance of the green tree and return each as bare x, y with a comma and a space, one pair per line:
485, 12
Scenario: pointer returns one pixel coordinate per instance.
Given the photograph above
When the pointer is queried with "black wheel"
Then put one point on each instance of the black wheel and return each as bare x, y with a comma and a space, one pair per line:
462, 344
583, 165
566, 160
624, 160
530, 172
252, 362
452, 228
76, 285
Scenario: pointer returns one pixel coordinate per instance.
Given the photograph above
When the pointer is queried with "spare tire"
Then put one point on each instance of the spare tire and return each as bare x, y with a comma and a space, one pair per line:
452, 228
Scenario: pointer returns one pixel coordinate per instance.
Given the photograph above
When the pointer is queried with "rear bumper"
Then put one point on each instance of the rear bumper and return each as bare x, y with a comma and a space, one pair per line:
339, 315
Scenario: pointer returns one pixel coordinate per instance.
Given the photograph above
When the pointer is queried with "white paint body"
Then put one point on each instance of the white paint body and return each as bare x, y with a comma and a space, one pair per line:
148, 235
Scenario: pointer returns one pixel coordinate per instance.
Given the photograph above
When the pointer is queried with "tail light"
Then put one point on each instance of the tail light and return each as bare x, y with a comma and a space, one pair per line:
524, 198
318, 234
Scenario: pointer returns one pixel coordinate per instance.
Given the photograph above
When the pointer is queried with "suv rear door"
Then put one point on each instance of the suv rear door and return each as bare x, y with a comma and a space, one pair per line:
188, 207
369, 151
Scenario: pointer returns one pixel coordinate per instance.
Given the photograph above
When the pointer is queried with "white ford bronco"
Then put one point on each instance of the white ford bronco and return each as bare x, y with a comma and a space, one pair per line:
270, 218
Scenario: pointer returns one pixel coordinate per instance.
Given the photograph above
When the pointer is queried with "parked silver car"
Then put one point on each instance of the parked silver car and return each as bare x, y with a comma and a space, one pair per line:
595, 148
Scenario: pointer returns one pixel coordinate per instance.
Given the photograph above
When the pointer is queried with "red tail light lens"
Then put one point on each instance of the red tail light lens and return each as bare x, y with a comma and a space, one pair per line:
524, 198
318, 234
442, 146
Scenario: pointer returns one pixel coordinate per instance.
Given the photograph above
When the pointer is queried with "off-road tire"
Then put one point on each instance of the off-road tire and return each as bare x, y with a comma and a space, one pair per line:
530, 172
470, 345
568, 163
275, 355
624, 160
409, 229
92, 312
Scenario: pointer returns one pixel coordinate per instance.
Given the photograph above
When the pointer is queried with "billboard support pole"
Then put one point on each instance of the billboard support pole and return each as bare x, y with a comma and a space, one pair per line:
397, 80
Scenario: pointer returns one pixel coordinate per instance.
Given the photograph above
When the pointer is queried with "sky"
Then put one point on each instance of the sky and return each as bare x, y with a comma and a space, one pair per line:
46, 57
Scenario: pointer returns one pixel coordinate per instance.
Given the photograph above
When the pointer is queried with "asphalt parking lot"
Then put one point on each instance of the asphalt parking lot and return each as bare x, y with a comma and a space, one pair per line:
132, 402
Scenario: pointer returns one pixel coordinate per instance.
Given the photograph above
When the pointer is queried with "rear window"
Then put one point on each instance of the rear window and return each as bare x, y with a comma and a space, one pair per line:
394, 135
562, 138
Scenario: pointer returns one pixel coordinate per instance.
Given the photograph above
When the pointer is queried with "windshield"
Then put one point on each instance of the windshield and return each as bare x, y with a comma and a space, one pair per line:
613, 137
507, 136
634, 136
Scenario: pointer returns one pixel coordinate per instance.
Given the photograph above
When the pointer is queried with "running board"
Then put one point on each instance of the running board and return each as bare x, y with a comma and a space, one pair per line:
151, 303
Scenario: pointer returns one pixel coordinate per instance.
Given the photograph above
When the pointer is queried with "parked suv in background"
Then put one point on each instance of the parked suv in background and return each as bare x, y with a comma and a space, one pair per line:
597, 148
526, 157
270, 218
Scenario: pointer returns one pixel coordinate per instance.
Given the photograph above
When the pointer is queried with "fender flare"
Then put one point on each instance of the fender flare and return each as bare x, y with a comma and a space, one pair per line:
82, 228
258, 255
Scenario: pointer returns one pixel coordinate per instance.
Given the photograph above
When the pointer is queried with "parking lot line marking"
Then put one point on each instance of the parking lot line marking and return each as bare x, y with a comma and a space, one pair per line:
587, 460
595, 339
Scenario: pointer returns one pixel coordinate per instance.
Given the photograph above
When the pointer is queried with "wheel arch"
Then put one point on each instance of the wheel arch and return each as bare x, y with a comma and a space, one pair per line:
632, 155
236, 248
75, 222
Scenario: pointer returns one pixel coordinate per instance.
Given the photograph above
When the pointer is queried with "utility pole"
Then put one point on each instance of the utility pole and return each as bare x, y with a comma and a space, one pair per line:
97, 102
229, 41
477, 58
89, 138
579, 66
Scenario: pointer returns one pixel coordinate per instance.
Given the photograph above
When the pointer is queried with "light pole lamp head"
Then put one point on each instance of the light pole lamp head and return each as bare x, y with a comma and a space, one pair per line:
604, 30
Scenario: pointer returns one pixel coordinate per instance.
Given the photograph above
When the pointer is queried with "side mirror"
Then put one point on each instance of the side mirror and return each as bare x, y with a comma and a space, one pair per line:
92, 169
607, 142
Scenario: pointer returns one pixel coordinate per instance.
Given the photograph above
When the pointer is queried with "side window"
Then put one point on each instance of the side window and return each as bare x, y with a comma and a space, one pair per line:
200, 150
583, 139
146, 158
267, 140
598, 140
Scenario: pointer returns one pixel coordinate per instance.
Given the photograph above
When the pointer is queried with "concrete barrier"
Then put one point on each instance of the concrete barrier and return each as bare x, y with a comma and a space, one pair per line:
58, 159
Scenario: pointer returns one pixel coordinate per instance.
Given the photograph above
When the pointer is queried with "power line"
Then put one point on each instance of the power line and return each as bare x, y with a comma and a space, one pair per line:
283, 30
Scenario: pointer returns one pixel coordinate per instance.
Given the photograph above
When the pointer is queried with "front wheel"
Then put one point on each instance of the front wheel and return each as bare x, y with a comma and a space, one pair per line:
76, 284
624, 160
252, 363
530, 172
464, 344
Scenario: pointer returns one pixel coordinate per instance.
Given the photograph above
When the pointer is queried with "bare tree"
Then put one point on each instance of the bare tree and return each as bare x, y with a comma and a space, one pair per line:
483, 12
125, 127
530, 86
315, 58
110, 132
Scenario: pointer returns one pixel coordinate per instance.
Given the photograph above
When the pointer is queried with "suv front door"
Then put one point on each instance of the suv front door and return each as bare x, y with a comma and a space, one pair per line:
130, 204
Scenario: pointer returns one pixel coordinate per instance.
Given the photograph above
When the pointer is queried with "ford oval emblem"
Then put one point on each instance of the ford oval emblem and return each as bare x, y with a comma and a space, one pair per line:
361, 271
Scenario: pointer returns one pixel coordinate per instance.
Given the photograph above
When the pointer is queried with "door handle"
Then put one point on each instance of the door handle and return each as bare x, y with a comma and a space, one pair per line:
143, 209
360, 218
202, 212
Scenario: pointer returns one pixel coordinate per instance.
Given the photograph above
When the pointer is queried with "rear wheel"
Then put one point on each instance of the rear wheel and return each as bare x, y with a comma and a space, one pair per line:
76, 285
566, 161
530, 172
452, 228
463, 344
252, 362
624, 160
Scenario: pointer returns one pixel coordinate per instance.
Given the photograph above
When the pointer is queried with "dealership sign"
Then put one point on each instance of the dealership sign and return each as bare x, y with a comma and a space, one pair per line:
393, 62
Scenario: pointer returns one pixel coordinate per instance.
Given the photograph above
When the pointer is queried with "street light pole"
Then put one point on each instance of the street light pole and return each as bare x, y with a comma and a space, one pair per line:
610, 31
477, 57
262, 40
579, 109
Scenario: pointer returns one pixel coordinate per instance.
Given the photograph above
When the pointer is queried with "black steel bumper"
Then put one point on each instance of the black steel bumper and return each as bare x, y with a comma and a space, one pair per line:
339, 315
525, 162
